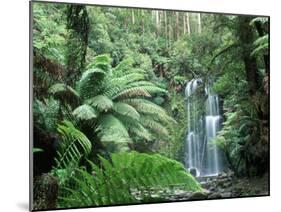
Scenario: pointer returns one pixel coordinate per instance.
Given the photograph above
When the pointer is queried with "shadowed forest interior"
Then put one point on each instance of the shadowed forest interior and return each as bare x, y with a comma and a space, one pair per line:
139, 106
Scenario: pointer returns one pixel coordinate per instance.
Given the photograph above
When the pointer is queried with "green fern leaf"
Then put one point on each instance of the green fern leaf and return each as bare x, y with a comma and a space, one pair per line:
85, 112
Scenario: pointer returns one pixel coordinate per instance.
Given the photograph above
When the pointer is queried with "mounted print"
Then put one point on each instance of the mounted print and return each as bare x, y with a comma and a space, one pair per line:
138, 105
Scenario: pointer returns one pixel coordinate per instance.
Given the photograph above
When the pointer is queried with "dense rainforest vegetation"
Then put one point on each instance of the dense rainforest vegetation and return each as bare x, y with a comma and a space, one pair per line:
109, 105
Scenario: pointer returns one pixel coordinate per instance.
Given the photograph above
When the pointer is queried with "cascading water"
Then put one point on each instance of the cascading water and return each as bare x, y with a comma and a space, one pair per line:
203, 158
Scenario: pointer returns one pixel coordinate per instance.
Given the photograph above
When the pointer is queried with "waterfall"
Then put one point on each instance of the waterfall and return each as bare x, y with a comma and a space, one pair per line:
202, 157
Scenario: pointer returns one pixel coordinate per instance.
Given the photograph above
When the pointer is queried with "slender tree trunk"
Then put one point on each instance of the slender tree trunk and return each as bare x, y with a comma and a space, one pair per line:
199, 23
160, 22
156, 21
188, 23
177, 25
142, 21
133, 17
170, 32
166, 27
184, 24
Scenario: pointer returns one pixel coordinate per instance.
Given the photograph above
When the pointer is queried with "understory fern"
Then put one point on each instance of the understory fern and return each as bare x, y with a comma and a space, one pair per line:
74, 144
127, 178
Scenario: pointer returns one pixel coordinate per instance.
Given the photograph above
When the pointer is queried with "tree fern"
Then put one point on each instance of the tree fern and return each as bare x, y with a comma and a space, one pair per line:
129, 178
116, 104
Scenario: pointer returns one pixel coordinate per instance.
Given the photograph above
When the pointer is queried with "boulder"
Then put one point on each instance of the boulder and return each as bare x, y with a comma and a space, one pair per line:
198, 196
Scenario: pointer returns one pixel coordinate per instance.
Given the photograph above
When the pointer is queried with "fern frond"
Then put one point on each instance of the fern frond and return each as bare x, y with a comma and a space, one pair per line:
62, 89
134, 127
132, 92
85, 112
100, 61
91, 83
74, 144
147, 107
156, 127
46, 114
111, 129
126, 110
129, 178
101, 102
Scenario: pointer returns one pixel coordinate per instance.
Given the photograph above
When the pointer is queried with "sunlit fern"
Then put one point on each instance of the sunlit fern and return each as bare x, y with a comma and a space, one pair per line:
128, 178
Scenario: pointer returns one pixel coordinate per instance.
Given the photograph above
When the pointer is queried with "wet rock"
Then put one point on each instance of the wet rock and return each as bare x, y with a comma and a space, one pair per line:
198, 196
226, 194
215, 196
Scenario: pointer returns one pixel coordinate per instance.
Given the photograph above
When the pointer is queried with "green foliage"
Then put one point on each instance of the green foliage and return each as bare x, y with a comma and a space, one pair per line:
126, 179
34, 150
117, 105
73, 146
46, 114
260, 45
78, 25
49, 31
85, 112
241, 139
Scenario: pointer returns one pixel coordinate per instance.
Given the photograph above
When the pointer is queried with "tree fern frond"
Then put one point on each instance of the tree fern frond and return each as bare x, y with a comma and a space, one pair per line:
126, 110
140, 131
132, 92
100, 61
91, 83
111, 129
85, 112
156, 127
147, 107
101, 102
63, 89
134, 127
118, 84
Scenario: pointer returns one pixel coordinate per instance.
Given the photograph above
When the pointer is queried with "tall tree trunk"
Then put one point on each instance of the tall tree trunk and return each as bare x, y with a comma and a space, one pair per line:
246, 37
199, 23
157, 21
177, 26
166, 27
160, 22
184, 24
142, 21
78, 25
188, 23
133, 17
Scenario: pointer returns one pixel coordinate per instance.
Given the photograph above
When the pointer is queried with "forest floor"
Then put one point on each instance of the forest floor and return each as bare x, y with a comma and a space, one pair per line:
226, 185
